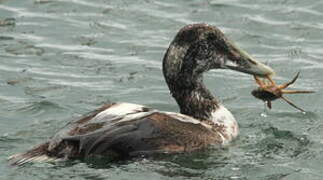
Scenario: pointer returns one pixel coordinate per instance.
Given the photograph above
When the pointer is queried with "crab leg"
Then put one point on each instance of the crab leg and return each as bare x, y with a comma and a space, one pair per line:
283, 86
292, 104
268, 104
296, 91
259, 82
271, 80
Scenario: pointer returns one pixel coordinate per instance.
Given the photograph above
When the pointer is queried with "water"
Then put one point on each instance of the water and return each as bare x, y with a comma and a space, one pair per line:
63, 58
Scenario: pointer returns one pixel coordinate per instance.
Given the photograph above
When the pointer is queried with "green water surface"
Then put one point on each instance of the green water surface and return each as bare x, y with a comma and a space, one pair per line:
62, 58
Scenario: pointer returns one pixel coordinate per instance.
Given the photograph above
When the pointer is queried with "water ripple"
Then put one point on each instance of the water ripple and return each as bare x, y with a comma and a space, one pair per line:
65, 57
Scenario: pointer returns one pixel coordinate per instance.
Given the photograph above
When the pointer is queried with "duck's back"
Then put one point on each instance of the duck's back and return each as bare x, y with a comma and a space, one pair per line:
124, 129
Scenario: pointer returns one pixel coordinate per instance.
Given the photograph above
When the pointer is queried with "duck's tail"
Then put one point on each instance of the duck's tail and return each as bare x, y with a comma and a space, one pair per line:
37, 154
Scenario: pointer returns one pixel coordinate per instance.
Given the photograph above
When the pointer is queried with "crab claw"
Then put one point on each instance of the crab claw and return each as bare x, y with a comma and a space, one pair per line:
283, 86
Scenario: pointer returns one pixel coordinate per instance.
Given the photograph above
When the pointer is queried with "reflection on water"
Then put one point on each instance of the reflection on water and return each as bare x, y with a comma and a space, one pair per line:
60, 59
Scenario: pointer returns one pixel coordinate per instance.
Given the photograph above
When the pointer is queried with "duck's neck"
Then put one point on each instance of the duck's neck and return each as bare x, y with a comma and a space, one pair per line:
193, 98
185, 82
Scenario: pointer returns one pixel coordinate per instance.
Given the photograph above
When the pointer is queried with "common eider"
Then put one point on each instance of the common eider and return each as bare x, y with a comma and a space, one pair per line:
128, 130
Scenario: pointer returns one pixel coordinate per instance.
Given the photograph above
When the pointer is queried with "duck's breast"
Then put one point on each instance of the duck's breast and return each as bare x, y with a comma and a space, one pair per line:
224, 118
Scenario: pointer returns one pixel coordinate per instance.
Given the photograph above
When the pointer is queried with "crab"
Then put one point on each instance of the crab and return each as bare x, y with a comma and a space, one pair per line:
269, 91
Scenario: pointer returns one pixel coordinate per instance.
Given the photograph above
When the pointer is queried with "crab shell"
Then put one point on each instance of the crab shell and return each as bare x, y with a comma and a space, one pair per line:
270, 94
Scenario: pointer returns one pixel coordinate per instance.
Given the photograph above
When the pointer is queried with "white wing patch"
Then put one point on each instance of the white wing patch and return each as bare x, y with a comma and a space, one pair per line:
187, 119
121, 109
122, 112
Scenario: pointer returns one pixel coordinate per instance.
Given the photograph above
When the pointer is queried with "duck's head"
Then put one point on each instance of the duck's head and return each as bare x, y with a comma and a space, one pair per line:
200, 47
196, 49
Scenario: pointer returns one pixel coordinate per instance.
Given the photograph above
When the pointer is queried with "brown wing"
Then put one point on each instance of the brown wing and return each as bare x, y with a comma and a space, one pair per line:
155, 133
136, 131
75, 127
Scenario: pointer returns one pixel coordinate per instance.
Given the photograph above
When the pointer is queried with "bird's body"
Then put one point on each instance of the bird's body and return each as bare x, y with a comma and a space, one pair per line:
127, 130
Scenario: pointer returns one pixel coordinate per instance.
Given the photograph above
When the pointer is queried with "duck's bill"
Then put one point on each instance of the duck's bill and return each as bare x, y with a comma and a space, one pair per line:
257, 69
241, 61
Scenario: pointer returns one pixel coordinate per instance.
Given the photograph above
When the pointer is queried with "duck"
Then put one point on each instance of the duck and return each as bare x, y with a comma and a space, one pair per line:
125, 130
